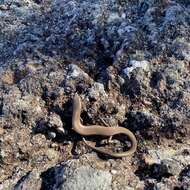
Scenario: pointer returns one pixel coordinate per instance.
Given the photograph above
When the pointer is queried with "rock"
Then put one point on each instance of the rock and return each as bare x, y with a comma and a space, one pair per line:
142, 119
184, 178
51, 134
173, 167
172, 14
121, 57
22, 106
171, 156
54, 121
97, 91
67, 177
137, 84
158, 81
52, 154
166, 184
133, 64
91, 179
166, 167
7, 77
75, 72
181, 49
126, 29
30, 181
73, 77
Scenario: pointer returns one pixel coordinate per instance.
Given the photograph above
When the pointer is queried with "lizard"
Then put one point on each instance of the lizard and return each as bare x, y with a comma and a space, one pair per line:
83, 130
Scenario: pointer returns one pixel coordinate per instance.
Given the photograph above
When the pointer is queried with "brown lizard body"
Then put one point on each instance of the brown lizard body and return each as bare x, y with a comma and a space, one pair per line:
78, 127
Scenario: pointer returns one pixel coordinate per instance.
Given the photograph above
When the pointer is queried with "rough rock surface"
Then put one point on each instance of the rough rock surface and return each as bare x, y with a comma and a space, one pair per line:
128, 60
71, 177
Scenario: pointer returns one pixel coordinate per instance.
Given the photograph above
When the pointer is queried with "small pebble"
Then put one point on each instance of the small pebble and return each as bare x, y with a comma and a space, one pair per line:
61, 130
113, 172
67, 142
54, 145
51, 134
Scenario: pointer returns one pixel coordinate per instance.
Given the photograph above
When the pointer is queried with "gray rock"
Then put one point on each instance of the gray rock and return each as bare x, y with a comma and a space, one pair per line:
68, 177
51, 134
28, 105
75, 72
87, 178
173, 155
133, 64
97, 91
181, 49
55, 48
54, 121
173, 166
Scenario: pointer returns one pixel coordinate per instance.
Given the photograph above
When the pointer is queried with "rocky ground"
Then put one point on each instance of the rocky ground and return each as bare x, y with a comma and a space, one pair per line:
128, 60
